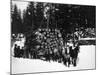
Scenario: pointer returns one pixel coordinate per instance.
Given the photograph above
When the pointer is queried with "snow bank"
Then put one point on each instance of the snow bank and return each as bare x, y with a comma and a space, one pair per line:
86, 61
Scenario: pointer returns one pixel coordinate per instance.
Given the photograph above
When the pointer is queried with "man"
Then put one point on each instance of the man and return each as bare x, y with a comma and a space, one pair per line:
18, 52
68, 56
76, 51
72, 54
15, 50
22, 52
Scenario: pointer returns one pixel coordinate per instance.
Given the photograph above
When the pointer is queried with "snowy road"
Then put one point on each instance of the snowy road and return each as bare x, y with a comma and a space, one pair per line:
86, 61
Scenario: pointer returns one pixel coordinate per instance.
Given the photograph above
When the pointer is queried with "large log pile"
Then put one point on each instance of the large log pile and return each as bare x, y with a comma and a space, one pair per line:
50, 40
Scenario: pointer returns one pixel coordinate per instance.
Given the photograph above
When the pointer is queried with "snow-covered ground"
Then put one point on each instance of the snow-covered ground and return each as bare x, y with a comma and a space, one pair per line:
87, 39
86, 61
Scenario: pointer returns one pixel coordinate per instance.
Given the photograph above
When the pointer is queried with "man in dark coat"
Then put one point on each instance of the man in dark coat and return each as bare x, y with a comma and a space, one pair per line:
15, 50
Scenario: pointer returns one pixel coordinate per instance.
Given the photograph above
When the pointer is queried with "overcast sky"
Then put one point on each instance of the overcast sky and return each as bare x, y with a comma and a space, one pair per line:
20, 4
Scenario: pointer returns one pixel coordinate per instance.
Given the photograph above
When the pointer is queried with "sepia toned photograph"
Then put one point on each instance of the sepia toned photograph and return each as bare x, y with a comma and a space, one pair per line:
52, 37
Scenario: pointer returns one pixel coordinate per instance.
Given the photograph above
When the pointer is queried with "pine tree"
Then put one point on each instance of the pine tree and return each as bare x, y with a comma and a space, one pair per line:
39, 14
29, 17
16, 24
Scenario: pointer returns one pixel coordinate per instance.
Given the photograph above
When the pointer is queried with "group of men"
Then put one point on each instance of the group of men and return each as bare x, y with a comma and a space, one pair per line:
68, 55
18, 52
49, 45
71, 54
